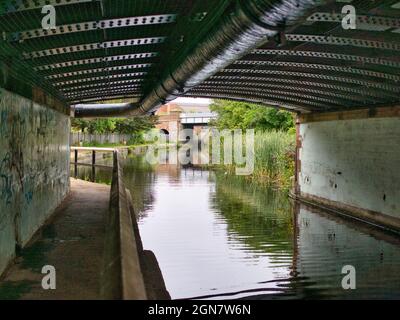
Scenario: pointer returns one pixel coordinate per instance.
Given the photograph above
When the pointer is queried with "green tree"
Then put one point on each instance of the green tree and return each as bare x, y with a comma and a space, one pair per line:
137, 124
243, 115
79, 124
115, 125
101, 126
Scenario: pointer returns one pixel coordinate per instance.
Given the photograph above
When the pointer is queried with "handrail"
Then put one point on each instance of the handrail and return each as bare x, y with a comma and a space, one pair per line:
122, 274
93, 163
92, 149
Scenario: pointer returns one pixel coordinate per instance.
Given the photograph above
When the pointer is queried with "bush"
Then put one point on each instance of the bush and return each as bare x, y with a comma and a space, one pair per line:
136, 139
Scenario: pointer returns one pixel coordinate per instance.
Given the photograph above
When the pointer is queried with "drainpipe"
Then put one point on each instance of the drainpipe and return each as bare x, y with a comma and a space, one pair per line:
251, 24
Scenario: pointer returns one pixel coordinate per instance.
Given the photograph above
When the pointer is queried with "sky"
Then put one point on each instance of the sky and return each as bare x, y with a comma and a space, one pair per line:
192, 101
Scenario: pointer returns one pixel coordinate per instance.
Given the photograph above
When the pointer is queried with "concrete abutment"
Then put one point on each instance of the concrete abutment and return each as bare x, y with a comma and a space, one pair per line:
34, 169
349, 162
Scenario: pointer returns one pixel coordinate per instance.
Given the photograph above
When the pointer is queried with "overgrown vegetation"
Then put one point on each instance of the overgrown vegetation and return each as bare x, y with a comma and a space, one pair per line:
136, 127
135, 140
115, 125
274, 139
275, 158
243, 115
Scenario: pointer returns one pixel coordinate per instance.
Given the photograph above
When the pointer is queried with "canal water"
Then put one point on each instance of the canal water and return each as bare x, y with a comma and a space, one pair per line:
218, 237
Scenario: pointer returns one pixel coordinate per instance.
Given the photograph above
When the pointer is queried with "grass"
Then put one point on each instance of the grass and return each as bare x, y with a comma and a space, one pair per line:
274, 159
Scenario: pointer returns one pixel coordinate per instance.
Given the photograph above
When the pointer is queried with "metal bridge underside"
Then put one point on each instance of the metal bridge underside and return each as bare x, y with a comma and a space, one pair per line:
103, 50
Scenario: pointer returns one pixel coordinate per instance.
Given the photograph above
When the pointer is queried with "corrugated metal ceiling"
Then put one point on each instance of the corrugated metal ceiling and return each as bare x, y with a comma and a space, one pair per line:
104, 49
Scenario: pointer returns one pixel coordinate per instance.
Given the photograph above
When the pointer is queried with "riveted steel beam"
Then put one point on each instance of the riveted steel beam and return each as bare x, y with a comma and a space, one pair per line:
352, 80
300, 103
352, 70
292, 86
301, 96
249, 26
84, 87
317, 95
134, 82
364, 22
302, 54
304, 99
144, 55
156, 49
112, 89
12, 6
368, 93
110, 65
344, 41
106, 87
102, 96
95, 25
329, 55
138, 76
298, 107
67, 75
93, 46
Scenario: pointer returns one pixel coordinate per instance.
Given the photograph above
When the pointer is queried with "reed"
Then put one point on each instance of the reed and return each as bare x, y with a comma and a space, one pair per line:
274, 158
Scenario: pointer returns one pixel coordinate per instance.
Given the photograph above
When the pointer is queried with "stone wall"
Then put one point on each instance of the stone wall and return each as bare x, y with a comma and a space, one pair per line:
34, 169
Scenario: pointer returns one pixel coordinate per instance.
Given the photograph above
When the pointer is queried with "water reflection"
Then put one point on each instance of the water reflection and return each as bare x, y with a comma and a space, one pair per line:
327, 243
101, 173
217, 236
92, 174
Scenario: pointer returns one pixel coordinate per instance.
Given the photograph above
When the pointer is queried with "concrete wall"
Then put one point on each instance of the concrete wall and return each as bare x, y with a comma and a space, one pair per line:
122, 277
34, 168
353, 164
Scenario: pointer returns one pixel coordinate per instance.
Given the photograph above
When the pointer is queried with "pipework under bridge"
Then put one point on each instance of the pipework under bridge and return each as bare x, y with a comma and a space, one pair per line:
342, 83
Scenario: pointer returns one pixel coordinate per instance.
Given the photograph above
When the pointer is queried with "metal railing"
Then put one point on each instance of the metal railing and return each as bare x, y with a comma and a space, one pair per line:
93, 163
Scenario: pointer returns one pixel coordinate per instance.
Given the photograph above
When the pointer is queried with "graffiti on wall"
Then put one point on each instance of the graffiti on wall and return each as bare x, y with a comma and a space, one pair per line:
34, 165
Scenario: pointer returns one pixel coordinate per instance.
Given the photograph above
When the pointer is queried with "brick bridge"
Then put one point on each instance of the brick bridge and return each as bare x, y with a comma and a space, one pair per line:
173, 118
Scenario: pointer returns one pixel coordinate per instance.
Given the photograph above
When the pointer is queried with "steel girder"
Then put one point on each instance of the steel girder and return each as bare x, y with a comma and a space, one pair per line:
297, 57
